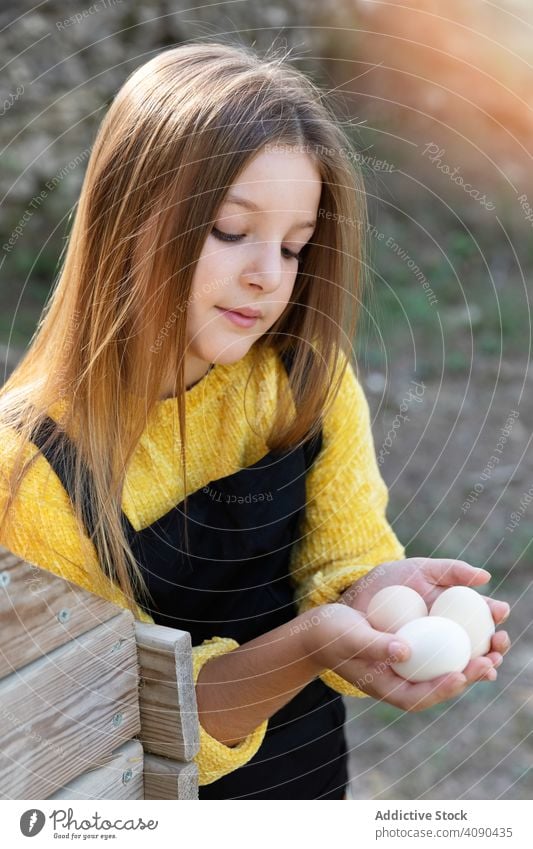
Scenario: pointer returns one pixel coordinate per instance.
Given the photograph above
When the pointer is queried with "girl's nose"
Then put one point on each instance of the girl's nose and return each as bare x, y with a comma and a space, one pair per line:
267, 269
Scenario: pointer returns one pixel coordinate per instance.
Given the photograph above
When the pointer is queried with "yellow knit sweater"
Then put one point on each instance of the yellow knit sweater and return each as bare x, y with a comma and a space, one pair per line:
345, 532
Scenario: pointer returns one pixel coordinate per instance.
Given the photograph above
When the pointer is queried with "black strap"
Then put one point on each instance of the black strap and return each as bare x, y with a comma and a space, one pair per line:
42, 438
60, 453
62, 460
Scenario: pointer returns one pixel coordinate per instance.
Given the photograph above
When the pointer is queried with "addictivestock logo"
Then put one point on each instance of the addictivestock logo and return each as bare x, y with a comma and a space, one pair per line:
64, 824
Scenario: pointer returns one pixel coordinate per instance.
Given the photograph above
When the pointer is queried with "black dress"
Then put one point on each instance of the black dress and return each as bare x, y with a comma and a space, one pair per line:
234, 582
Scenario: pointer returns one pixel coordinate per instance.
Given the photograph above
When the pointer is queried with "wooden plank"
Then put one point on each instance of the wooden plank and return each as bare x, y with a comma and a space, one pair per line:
168, 779
40, 611
120, 778
63, 713
169, 713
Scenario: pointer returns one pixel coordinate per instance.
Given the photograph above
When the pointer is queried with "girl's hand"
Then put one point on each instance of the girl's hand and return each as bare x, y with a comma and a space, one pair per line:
342, 639
430, 577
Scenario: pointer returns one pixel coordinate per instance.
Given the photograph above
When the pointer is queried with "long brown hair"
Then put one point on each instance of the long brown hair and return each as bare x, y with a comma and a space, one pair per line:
178, 133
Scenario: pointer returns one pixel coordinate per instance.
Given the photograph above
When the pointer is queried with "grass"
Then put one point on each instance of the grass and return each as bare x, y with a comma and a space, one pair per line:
471, 308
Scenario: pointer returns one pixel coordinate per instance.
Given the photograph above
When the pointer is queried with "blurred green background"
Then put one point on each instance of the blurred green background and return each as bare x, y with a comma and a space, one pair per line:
437, 98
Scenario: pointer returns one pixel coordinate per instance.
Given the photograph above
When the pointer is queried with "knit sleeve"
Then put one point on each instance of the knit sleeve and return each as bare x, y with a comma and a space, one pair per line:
345, 532
214, 759
41, 525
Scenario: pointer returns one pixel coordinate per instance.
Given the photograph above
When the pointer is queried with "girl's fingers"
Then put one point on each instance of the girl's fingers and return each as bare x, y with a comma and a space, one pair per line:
495, 658
500, 610
418, 696
500, 642
478, 669
409, 696
450, 573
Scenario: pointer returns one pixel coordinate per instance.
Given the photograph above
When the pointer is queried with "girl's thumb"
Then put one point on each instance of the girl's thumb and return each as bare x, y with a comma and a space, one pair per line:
380, 645
398, 651
365, 641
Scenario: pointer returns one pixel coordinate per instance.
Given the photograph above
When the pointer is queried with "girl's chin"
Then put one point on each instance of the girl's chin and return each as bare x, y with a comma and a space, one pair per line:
226, 354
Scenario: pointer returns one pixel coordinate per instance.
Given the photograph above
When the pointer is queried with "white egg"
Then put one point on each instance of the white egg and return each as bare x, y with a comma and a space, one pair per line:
469, 609
394, 606
438, 646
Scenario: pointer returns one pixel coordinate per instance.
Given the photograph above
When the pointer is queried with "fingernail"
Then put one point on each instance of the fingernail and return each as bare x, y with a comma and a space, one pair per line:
398, 650
486, 574
492, 674
498, 662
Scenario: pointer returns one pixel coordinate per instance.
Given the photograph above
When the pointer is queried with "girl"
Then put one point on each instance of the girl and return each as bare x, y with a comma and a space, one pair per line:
186, 435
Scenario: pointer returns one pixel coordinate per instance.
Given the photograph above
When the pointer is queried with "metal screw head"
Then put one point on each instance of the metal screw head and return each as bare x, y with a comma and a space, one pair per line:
127, 776
63, 615
4, 579
117, 719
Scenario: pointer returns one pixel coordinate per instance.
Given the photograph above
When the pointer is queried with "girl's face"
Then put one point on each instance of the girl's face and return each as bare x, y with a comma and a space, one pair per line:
249, 260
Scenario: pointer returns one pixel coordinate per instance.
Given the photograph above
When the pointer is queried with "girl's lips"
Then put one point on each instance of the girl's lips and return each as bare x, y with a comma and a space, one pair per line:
238, 319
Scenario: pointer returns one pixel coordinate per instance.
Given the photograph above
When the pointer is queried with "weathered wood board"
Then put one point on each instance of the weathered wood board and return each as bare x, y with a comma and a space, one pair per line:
120, 778
169, 714
65, 711
167, 779
40, 611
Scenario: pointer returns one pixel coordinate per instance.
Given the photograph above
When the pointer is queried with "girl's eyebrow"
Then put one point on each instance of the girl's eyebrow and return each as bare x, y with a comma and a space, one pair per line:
249, 204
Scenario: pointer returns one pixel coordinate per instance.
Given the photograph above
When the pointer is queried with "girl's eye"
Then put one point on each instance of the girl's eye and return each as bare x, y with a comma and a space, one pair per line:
232, 237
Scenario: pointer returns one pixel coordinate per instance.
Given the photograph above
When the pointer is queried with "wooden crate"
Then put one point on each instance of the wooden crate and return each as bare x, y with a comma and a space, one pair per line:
94, 704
